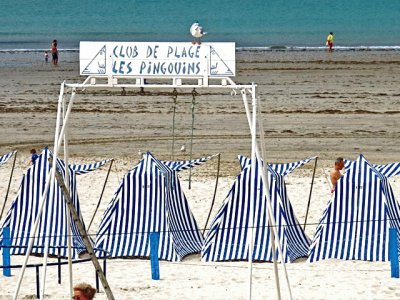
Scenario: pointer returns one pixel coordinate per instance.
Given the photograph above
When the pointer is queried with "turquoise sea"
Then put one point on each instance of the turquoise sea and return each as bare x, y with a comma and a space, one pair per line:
296, 24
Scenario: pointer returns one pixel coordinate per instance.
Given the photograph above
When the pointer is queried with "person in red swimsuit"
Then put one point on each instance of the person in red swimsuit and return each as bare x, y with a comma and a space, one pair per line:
54, 52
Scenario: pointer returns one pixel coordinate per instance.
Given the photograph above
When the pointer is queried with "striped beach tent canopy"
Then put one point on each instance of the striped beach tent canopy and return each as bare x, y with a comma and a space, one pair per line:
228, 239
282, 169
355, 224
179, 165
25, 207
388, 170
150, 199
6, 157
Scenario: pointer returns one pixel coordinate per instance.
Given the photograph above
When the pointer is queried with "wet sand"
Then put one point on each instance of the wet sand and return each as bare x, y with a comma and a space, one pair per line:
313, 103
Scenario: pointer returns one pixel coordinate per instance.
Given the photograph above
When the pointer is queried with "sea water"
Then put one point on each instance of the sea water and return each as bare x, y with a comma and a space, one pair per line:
279, 24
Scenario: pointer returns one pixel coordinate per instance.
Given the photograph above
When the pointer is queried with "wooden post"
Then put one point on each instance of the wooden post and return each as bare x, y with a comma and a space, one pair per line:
393, 252
59, 265
37, 282
97, 283
6, 251
155, 266
105, 266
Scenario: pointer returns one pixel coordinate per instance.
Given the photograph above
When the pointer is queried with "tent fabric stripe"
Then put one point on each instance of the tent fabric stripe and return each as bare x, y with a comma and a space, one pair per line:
150, 199
388, 170
355, 224
6, 157
186, 164
282, 169
227, 238
25, 207
86, 168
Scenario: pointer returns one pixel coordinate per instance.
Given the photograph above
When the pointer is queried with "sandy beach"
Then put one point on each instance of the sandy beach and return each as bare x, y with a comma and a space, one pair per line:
313, 103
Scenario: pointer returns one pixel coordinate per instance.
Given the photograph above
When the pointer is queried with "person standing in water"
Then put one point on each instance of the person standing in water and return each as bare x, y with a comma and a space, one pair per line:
329, 41
54, 52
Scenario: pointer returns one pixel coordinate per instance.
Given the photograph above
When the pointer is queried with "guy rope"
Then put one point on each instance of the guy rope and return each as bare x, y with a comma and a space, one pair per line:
194, 94
174, 98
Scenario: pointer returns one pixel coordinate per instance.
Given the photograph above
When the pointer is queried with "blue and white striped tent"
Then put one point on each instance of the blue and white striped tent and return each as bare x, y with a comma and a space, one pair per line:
150, 199
6, 157
25, 207
388, 170
228, 239
355, 224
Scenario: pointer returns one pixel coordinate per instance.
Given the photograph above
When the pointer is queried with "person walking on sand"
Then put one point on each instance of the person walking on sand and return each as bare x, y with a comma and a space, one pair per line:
46, 57
329, 41
54, 52
83, 291
335, 173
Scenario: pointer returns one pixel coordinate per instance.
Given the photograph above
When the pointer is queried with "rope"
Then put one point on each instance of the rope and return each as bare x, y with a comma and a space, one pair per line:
101, 195
309, 197
194, 94
174, 97
215, 193
9, 184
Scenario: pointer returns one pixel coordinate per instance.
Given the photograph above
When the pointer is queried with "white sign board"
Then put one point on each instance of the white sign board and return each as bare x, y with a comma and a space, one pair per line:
157, 59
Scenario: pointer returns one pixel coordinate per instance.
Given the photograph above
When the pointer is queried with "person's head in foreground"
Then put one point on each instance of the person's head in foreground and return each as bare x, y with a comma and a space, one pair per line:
84, 291
339, 163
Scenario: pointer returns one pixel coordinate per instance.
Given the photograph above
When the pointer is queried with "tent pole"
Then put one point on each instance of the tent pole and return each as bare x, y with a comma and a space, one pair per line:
272, 218
9, 184
174, 97
67, 212
41, 200
252, 188
251, 223
215, 193
309, 197
101, 195
272, 232
57, 146
265, 180
194, 94
84, 235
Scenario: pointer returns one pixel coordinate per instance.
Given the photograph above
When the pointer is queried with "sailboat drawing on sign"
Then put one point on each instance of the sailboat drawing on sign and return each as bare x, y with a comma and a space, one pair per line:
217, 64
98, 64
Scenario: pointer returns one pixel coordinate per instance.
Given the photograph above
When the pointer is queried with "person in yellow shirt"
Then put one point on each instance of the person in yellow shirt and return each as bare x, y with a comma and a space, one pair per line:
329, 41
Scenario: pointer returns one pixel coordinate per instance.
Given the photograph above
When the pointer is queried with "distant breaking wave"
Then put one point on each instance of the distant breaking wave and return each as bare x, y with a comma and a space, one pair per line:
245, 48
319, 48
35, 50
